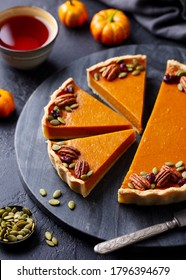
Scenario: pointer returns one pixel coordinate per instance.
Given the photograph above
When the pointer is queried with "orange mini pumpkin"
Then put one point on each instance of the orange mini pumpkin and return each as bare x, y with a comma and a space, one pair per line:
7, 105
110, 27
73, 13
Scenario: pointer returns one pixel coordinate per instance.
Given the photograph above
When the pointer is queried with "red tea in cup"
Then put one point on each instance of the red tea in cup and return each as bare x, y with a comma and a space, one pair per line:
23, 33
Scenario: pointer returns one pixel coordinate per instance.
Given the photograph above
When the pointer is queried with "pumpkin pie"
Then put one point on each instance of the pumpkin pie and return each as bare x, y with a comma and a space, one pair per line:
82, 162
72, 112
157, 174
120, 81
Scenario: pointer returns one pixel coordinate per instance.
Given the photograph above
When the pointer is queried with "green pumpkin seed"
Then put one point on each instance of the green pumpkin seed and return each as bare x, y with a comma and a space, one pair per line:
179, 163
130, 185
136, 73
180, 87
96, 76
155, 170
169, 163
56, 147
71, 204
20, 237
143, 173
1, 212
57, 194
54, 122
54, 240
50, 118
84, 176
72, 165
135, 62
61, 143
12, 238
140, 68
180, 73
90, 172
130, 65
43, 192
54, 202
61, 120
65, 164
181, 168
50, 243
122, 75
56, 108
102, 69
184, 174
152, 186
74, 106
48, 235
68, 109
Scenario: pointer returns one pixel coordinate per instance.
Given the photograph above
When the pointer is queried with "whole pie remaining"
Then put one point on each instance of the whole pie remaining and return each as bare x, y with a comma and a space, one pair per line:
157, 174
72, 113
82, 162
120, 81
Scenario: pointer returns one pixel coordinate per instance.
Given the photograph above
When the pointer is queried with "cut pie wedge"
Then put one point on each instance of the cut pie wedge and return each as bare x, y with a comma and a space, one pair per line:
120, 81
157, 174
82, 162
72, 113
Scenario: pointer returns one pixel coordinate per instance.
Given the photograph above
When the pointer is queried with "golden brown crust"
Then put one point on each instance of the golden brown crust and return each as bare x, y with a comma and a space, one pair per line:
153, 196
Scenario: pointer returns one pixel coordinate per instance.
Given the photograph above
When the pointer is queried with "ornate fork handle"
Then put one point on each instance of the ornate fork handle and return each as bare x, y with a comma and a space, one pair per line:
128, 239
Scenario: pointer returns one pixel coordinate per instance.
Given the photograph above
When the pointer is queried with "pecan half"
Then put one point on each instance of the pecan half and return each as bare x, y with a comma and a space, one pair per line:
183, 82
163, 176
69, 151
175, 175
81, 168
139, 182
65, 100
111, 72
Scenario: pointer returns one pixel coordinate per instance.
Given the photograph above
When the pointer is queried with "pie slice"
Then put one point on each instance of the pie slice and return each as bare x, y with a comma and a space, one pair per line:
157, 174
120, 81
72, 113
82, 162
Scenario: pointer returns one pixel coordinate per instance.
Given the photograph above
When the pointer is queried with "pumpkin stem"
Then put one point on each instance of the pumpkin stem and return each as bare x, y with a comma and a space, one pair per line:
71, 2
111, 18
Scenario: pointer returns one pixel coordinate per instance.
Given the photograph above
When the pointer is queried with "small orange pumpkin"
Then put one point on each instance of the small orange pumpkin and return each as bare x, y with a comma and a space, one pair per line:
7, 105
73, 13
110, 27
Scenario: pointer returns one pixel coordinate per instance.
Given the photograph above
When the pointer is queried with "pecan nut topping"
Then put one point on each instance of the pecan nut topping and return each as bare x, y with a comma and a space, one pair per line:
175, 175
139, 182
183, 82
111, 72
69, 151
163, 176
81, 168
65, 100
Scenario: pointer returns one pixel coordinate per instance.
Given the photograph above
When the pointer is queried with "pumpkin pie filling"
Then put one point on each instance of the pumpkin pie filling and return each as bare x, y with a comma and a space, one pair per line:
120, 81
72, 113
157, 174
82, 162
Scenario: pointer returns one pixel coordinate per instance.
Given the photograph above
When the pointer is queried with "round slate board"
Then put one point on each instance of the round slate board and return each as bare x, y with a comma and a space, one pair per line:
99, 215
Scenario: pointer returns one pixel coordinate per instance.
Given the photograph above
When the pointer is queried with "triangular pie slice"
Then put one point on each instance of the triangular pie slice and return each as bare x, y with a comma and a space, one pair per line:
120, 81
72, 113
82, 162
157, 174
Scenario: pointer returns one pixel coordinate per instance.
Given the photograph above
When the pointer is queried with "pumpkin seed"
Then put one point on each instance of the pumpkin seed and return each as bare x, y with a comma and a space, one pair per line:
61, 143
56, 108
102, 69
54, 202
68, 109
90, 172
1, 212
72, 165
155, 170
48, 235
74, 106
152, 186
181, 168
96, 76
61, 120
180, 73
184, 174
136, 73
84, 176
143, 173
65, 164
12, 238
169, 163
71, 204
56, 147
179, 163
135, 62
122, 75
43, 192
50, 243
50, 118
57, 194
130, 185
140, 68
54, 240
130, 65
180, 87
54, 122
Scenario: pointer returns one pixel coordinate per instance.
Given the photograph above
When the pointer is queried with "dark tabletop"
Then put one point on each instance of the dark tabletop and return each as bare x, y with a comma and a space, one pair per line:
70, 45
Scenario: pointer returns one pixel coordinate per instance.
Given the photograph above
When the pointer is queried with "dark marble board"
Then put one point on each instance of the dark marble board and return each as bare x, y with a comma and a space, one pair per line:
99, 215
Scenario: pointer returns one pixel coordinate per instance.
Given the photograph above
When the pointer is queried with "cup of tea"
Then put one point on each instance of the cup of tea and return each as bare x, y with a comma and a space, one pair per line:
27, 35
